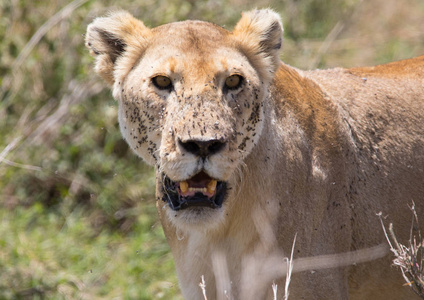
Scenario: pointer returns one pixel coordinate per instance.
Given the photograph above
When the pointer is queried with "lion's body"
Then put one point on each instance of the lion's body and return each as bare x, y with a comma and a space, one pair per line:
367, 133
315, 153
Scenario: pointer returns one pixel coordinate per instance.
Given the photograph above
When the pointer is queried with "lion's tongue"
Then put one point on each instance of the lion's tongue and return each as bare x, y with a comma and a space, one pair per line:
200, 183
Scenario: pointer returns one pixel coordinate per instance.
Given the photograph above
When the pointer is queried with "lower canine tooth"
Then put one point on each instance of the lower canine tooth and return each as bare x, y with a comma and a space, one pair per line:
184, 186
212, 186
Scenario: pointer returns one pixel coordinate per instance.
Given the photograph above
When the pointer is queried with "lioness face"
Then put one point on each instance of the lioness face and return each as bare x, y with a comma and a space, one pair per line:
194, 110
191, 103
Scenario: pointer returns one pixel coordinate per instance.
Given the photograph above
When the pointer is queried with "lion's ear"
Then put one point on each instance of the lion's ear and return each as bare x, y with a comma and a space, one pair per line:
109, 38
260, 36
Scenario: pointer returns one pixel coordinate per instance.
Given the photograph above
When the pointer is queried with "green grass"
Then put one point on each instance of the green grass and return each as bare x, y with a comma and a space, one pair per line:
45, 255
77, 211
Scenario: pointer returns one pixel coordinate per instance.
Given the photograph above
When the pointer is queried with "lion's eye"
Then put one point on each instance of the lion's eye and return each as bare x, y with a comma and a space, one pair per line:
162, 82
233, 82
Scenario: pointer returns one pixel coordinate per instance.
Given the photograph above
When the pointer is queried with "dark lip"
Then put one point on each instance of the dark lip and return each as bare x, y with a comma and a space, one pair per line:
177, 202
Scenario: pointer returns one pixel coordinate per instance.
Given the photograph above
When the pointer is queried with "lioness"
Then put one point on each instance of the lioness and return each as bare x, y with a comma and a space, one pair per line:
249, 151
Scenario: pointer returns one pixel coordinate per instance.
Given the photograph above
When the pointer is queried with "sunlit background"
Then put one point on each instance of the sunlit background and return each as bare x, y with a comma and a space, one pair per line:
77, 212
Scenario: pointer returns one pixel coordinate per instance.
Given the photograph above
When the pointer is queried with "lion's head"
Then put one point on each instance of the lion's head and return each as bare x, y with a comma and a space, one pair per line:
191, 99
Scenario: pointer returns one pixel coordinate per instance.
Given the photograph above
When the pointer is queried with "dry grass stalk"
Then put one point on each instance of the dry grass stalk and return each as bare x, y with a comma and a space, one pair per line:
15, 78
289, 270
408, 258
274, 290
203, 287
289, 264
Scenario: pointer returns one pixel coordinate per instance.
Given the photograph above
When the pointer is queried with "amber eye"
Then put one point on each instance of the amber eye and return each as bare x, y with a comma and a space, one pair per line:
233, 82
162, 82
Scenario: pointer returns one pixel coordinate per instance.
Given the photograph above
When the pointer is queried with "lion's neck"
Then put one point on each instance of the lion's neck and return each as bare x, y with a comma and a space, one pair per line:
269, 191
292, 161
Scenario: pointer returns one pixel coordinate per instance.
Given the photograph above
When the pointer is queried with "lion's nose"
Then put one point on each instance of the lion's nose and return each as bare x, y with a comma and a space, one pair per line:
202, 148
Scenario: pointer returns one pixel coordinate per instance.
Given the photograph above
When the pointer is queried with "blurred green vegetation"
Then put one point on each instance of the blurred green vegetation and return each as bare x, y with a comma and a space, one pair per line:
77, 211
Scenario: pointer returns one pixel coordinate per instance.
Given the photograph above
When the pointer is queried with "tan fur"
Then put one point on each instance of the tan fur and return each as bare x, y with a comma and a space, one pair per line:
314, 153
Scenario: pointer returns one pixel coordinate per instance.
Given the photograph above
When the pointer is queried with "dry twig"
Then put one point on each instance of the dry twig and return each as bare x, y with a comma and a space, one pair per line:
408, 258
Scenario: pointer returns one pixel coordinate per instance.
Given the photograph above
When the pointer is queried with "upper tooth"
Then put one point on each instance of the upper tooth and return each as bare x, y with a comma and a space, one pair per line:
212, 186
184, 186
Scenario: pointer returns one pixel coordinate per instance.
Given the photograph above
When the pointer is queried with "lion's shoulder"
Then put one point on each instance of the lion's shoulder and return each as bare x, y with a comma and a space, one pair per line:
400, 82
409, 68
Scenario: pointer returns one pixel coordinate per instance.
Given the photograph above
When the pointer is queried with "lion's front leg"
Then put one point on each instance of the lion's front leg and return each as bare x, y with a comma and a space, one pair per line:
319, 285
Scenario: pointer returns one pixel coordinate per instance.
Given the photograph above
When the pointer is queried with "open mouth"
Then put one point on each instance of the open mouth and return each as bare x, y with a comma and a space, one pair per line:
199, 191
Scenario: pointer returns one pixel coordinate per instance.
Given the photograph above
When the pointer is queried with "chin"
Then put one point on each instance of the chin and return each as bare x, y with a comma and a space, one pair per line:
198, 202
197, 218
